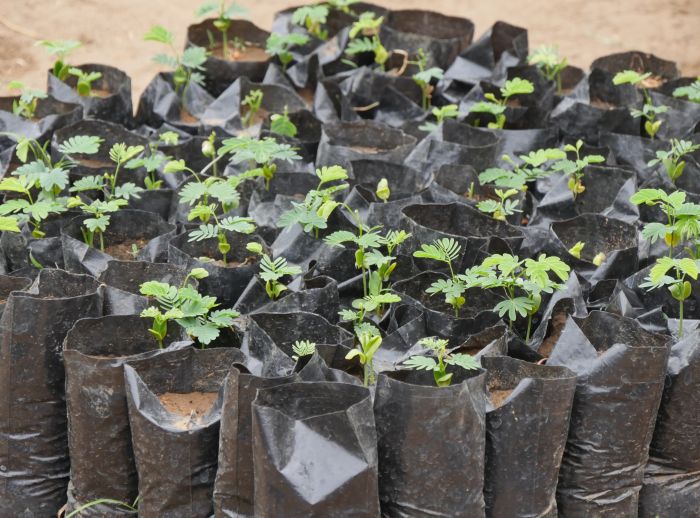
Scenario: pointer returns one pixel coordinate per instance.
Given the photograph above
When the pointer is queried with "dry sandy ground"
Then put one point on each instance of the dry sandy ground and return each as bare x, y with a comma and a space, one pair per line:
112, 30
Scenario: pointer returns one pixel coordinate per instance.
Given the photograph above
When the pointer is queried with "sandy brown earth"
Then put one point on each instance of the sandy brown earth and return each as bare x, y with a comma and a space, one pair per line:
112, 30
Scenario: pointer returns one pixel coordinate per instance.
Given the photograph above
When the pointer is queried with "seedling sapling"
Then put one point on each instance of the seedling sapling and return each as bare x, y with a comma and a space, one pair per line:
302, 348
186, 67
281, 125
85, 80
383, 192
534, 165
260, 154
575, 168
271, 271
279, 45
497, 107
449, 111
369, 344
425, 77
154, 160
576, 250
313, 17
224, 16
677, 283
368, 27
441, 361
547, 59
649, 112
343, 5
503, 207
26, 105
188, 308
672, 160
253, 101
61, 49
690, 92
445, 250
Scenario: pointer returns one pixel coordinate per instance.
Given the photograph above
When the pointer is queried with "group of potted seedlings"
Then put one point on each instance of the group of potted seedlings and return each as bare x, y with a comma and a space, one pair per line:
361, 265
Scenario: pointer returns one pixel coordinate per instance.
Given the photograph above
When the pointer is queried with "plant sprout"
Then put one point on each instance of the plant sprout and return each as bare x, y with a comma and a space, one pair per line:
278, 45
449, 111
690, 92
382, 191
534, 165
281, 125
186, 67
649, 112
445, 250
253, 101
60, 49
576, 250
439, 366
547, 59
672, 159
425, 77
85, 80
368, 26
497, 107
224, 17
185, 305
260, 154
26, 105
271, 271
302, 348
313, 17
503, 207
574, 168
154, 160
369, 344
343, 5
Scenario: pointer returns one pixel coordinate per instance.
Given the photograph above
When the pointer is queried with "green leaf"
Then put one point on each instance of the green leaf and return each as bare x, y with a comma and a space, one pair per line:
8, 224
81, 145
194, 57
629, 77
513, 307
54, 179
331, 174
444, 250
420, 363
691, 92
159, 34
303, 348
191, 192
120, 152
464, 361
688, 267
97, 224
238, 224
517, 86
127, 191
654, 231
281, 125
204, 333
198, 273
538, 270
158, 290
203, 232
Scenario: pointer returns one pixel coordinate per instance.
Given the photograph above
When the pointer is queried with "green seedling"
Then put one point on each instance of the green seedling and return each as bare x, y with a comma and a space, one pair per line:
442, 360
364, 37
575, 168
253, 101
281, 125
576, 250
690, 92
224, 16
522, 282
503, 207
369, 344
497, 107
534, 165
98, 219
313, 17
382, 191
302, 348
672, 159
26, 105
84, 80
649, 112
187, 67
425, 77
154, 160
343, 5
449, 111
677, 283
271, 271
547, 59
279, 45
188, 308
259, 154
446, 250
122, 506
61, 49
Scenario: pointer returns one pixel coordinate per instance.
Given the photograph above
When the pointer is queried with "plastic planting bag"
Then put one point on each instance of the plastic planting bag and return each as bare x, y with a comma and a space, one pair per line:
33, 430
315, 451
620, 369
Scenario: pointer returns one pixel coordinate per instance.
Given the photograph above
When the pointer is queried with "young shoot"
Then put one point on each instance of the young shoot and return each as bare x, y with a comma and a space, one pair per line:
364, 37
445, 250
649, 112
184, 305
503, 207
449, 111
260, 155
271, 271
534, 165
25, 106
576, 250
673, 274
382, 191
279, 45
343, 5
441, 361
84, 80
690, 92
154, 160
369, 344
497, 107
313, 18
187, 67
425, 77
253, 101
550, 63
224, 16
61, 49
672, 159
302, 348
574, 168
281, 125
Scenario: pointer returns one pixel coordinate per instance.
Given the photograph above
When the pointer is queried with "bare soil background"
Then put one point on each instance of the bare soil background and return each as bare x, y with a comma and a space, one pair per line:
112, 30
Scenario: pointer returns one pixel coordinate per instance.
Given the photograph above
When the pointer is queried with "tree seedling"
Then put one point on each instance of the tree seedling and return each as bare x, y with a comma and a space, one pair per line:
271, 271
313, 17
690, 92
343, 5
503, 207
154, 160
253, 101
367, 27
302, 348
574, 168
677, 283
260, 154
186, 67
279, 45
84, 80
442, 359
281, 125
25, 106
383, 191
425, 77
445, 250
369, 344
672, 159
217, 230
224, 16
522, 282
188, 308
449, 111
534, 165
547, 59
61, 49
497, 107
576, 250
649, 112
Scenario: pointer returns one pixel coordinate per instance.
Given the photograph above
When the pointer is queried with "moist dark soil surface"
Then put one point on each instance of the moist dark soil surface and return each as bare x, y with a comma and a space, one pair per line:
187, 117
122, 251
556, 324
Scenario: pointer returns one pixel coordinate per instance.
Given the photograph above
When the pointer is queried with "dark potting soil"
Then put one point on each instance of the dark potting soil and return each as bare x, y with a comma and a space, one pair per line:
556, 324
192, 406
498, 397
307, 94
187, 117
249, 53
122, 251
94, 163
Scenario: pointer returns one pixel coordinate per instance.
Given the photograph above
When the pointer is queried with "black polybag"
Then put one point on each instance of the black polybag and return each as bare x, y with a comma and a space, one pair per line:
315, 451
176, 465
33, 425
